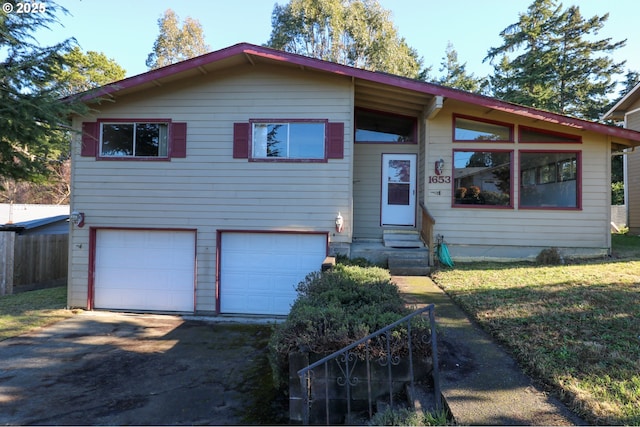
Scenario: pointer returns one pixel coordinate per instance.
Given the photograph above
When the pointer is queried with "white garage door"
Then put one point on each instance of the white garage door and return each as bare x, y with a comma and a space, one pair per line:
260, 271
144, 270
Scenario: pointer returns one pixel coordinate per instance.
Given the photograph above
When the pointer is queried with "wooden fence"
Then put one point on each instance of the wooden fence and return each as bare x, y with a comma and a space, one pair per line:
32, 261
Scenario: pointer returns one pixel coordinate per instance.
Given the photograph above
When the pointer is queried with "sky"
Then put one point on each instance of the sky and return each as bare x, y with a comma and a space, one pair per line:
125, 30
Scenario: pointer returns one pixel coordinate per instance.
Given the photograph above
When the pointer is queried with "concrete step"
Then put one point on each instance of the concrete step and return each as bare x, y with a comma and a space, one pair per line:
410, 271
401, 239
409, 263
375, 251
401, 234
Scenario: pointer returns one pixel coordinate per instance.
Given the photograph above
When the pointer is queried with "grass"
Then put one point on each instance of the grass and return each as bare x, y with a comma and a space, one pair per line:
575, 328
23, 312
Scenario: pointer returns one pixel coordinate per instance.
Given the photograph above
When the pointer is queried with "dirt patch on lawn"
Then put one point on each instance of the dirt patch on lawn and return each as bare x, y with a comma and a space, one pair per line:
121, 369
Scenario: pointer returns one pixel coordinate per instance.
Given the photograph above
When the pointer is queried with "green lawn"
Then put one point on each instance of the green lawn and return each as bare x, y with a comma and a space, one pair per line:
25, 311
575, 328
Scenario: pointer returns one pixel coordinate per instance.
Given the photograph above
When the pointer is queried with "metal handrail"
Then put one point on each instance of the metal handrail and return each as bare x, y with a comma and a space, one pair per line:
305, 373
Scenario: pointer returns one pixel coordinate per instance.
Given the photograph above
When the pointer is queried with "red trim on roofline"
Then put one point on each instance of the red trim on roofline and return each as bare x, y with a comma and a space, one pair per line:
377, 77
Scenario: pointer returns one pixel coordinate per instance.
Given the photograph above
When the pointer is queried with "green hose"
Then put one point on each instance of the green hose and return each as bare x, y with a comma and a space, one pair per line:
443, 255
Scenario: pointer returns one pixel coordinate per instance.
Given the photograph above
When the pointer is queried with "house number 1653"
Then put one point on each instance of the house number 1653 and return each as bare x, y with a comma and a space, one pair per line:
439, 179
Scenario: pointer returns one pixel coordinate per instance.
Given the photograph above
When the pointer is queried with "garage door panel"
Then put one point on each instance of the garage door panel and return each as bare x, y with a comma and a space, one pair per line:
260, 271
145, 270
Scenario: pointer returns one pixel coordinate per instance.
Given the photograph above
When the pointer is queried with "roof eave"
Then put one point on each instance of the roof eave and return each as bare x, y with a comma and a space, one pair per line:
618, 111
431, 89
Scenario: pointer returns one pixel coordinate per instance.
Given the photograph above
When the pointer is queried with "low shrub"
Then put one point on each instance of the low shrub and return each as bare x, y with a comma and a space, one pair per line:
335, 308
550, 256
359, 261
407, 417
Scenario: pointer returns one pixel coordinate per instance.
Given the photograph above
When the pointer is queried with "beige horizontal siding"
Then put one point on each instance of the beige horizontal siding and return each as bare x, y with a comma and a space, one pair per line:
209, 190
585, 228
633, 177
367, 186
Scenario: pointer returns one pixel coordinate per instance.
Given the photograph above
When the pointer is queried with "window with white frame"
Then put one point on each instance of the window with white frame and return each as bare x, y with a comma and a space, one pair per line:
288, 140
134, 139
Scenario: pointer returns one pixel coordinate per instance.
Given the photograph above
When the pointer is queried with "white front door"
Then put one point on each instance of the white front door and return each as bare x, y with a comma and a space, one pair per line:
398, 189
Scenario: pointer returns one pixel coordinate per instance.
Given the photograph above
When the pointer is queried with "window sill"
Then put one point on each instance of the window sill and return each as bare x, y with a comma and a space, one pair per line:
282, 160
133, 159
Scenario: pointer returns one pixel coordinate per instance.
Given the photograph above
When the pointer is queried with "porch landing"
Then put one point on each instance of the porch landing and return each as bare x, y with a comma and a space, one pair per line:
402, 250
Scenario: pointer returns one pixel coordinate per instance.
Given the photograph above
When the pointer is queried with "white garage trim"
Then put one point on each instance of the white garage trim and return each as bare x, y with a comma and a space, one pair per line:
259, 271
144, 269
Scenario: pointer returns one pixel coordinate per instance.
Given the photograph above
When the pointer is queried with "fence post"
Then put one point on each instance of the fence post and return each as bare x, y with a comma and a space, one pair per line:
7, 241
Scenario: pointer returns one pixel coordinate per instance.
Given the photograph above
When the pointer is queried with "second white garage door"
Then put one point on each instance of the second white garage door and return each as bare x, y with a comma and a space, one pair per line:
145, 270
260, 271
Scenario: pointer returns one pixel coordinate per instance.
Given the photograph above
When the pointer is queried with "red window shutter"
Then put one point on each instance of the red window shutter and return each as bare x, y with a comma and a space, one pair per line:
90, 138
179, 140
241, 140
335, 150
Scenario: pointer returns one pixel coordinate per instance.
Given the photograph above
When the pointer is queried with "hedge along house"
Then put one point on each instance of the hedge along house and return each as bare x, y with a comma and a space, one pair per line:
627, 110
216, 184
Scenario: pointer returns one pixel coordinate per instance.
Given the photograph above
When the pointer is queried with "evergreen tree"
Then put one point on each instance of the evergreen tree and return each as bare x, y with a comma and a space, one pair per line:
176, 43
34, 123
358, 33
455, 74
558, 67
84, 71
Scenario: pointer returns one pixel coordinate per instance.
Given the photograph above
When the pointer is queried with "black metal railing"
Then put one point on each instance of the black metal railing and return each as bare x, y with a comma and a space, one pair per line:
380, 343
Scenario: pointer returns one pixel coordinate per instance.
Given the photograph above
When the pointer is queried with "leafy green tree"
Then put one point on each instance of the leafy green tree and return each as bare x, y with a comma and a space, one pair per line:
455, 74
34, 123
84, 71
558, 67
176, 42
358, 33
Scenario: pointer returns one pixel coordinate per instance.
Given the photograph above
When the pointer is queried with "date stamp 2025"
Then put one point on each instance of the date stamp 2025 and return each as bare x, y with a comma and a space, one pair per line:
24, 7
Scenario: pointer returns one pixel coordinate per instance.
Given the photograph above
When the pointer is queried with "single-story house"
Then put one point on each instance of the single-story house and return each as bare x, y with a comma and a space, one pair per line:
627, 110
214, 185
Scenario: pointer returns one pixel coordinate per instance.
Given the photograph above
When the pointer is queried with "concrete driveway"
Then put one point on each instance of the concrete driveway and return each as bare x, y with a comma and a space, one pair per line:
119, 369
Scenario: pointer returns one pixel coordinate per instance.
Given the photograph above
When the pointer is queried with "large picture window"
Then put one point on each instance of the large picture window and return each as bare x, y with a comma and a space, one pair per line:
549, 179
482, 178
295, 140
134, 139
385, 128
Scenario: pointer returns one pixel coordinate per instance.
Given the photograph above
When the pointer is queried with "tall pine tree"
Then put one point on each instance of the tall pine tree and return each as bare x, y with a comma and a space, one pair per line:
456, 75
84, 71
34, 127
558, 67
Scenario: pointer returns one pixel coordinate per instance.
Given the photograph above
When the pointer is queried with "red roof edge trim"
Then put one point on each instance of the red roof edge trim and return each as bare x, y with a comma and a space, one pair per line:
376, 77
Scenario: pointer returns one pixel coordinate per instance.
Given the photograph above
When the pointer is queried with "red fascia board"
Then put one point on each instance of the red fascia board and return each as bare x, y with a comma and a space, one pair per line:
357, 73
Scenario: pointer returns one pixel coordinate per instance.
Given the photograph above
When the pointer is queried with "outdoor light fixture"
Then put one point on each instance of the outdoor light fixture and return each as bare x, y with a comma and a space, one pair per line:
77, 218
339, 223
